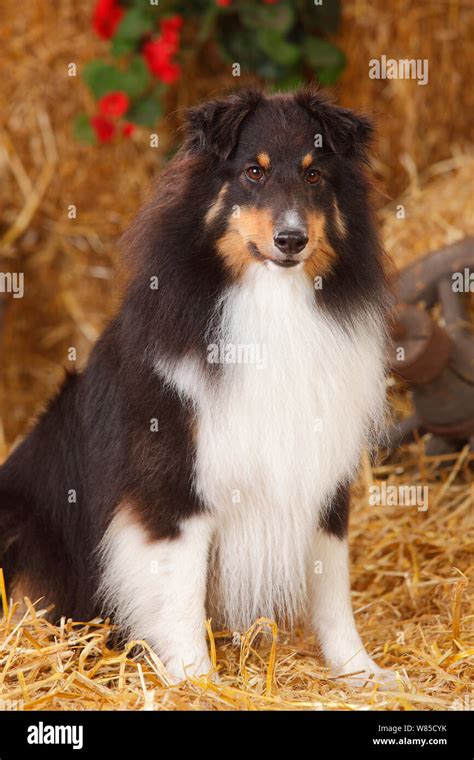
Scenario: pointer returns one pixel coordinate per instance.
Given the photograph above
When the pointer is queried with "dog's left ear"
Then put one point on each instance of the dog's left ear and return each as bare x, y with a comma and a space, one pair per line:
343, 130
214, 126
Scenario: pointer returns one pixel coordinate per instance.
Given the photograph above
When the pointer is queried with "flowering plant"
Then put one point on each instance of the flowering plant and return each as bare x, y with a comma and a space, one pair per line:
279, 41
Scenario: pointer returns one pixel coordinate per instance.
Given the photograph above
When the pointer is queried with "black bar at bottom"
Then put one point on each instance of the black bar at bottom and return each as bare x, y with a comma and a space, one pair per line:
99, 734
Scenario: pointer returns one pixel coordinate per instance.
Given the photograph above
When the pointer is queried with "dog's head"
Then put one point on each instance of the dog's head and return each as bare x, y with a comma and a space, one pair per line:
288, 168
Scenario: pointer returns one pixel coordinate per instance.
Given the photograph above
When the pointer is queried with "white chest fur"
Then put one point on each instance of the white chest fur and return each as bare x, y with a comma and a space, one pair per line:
282, 426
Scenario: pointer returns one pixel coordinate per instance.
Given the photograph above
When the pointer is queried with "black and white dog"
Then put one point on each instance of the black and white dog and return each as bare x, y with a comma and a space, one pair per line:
209, 444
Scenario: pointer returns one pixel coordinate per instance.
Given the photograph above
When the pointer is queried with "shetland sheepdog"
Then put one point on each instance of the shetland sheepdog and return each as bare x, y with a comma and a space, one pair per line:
200, 464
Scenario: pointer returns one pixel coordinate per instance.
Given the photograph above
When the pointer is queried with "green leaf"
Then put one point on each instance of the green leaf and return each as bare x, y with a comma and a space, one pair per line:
102, 78
328, 76
322, 53
241, 44
83, 130
327, 60
131, 29
136, 79
122, 46
277, 48
145, 112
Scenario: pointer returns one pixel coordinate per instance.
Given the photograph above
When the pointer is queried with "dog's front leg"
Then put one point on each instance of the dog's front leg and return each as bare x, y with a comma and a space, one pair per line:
333, 618
158, 589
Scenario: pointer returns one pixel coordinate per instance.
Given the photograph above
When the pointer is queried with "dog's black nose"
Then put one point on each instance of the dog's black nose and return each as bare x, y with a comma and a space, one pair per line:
290, 241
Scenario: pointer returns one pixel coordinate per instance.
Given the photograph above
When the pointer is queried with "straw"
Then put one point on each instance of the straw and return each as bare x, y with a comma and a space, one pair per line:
410, 569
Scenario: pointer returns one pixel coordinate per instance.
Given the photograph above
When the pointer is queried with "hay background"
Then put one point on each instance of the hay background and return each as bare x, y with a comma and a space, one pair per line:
410, 569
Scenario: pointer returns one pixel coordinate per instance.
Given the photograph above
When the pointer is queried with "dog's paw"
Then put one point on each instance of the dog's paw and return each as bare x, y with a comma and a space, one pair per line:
179, 670
365, 672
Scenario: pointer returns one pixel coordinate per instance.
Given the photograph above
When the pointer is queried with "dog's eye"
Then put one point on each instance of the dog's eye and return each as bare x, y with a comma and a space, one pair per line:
255, 173
312, 176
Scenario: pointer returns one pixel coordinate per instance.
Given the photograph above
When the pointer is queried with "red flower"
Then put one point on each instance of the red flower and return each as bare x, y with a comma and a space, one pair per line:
114, 104
158, 54
128, 129
170, 73
106, 17
170, 38
103, 127
173, 23
223, 3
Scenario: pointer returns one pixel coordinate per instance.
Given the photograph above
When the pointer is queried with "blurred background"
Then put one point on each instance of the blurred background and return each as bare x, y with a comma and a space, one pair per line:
91, 97
92, 94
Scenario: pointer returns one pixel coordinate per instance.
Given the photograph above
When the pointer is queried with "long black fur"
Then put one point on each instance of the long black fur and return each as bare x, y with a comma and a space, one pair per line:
94, 445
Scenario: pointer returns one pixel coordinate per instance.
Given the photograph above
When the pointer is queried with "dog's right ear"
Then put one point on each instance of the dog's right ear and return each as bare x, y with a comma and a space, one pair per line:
214, 126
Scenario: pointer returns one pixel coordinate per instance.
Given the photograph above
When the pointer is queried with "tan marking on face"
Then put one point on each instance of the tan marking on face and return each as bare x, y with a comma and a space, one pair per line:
320, 263
322, 257
307, 160
316, 224
217, 204
252, 226
264, 160
339, 220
